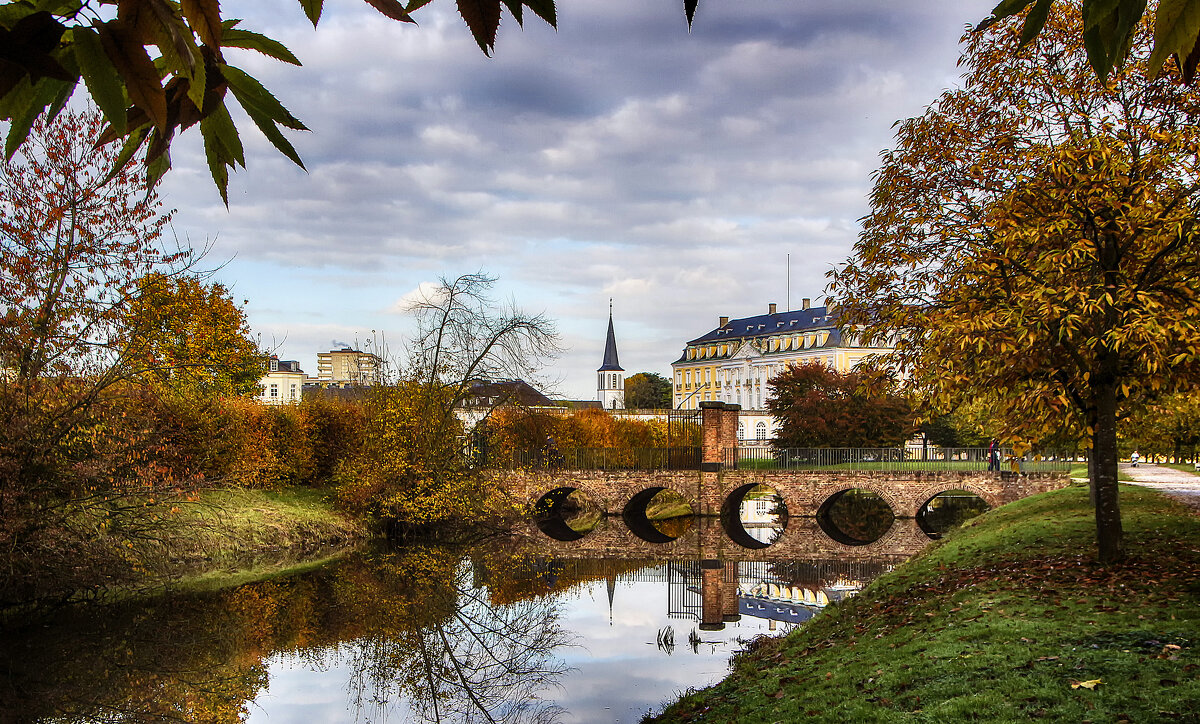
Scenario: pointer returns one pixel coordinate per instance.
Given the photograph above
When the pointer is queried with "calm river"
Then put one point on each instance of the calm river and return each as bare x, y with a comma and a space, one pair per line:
523, 628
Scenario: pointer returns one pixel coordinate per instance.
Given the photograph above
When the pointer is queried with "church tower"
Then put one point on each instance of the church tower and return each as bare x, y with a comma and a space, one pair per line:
610, 388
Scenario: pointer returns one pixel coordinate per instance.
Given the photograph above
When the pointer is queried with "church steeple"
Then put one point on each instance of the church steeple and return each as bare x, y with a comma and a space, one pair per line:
610, 388
610, 347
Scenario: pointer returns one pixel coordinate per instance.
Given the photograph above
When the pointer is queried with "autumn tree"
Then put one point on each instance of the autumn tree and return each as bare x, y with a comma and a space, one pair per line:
466, 338
191, 335
75, 241
411, 469
647, 391
817, 406
1169, 427
1032, 240
1110, 29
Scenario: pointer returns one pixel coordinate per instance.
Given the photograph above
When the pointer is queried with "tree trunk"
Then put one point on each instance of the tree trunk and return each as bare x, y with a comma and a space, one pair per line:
1104, 473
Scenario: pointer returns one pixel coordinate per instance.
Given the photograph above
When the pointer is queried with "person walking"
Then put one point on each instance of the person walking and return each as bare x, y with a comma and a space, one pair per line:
1133, 459
994, 456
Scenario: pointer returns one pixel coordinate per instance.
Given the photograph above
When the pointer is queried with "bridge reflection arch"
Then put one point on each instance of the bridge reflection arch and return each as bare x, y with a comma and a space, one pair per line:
553, 513
637, 520
950, 509
735, 527
856, 516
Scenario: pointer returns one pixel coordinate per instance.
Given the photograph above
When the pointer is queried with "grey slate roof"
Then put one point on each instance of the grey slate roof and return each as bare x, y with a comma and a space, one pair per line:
765, 325
611, 364
797, 321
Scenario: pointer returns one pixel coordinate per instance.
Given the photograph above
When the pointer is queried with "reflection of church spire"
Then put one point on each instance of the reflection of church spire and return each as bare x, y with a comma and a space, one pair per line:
612, 588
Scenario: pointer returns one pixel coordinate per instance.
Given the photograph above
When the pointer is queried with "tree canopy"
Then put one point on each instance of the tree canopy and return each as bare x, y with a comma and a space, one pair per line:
1032, 240
817, 406
192, 335
1110, 29
647, 391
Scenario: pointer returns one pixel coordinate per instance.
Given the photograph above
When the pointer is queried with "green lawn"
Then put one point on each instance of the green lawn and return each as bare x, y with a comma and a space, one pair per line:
1008, 619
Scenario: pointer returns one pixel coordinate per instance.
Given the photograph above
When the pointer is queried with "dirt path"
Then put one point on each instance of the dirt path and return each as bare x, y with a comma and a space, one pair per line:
1176, 483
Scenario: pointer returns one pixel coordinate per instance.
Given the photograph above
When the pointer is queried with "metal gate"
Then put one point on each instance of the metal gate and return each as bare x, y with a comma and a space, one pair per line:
685, 435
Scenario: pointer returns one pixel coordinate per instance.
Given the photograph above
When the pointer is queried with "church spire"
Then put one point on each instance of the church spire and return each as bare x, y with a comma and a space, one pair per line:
610, 364
610, 378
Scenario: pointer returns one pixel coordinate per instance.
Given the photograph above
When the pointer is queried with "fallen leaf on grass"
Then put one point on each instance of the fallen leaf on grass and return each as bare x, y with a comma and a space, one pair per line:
1091, 684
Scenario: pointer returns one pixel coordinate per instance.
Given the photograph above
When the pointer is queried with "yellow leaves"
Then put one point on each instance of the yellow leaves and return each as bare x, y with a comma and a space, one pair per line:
1090, 684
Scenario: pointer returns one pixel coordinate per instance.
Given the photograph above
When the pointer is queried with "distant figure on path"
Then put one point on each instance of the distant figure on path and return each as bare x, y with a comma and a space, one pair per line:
994, 456
1134, 458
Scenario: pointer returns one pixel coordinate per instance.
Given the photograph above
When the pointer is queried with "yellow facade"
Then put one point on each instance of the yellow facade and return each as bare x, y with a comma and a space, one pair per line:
734, 362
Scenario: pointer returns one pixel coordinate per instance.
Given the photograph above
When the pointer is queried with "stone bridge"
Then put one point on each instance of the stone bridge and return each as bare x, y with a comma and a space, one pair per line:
804, 492
716, 491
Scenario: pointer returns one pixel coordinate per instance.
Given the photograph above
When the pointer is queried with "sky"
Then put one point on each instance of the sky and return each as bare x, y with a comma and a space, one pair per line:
618, 157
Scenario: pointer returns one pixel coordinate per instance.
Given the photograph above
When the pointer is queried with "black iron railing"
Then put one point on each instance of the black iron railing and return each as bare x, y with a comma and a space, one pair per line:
922, 458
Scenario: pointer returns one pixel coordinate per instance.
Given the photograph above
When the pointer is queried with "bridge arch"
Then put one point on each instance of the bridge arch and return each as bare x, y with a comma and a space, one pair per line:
928, 493
827, 524
826, 493
550, 515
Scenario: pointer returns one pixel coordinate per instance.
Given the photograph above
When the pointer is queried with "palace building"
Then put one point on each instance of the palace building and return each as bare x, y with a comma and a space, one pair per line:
733, 362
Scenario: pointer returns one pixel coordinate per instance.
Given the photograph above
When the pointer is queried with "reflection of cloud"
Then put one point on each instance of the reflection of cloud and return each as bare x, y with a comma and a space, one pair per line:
623, 658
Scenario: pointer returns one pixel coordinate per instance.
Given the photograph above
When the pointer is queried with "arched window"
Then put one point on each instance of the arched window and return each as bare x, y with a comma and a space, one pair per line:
741, 431
760, 431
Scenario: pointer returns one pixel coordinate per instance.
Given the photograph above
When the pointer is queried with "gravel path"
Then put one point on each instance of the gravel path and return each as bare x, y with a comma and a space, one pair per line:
1176, 483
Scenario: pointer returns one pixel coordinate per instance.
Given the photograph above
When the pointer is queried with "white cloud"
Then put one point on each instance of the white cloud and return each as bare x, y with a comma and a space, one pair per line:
620, 155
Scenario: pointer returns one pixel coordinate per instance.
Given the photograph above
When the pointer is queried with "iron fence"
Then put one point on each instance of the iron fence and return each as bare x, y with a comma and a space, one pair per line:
916, 457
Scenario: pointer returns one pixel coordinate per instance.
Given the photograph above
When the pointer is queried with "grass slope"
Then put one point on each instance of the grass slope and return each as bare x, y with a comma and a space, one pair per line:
235, 535
1008, 619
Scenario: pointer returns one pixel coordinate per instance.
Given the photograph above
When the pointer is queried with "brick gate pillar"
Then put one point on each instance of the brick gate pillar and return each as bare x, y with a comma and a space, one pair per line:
719, 421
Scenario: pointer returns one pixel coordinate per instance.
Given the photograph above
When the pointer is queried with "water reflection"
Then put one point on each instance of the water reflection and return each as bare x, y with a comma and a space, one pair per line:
501, 633
949, 510
856, 517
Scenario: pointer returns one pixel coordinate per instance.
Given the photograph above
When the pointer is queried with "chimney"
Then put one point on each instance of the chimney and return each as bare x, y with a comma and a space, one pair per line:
723, 322
772, 307
804, 303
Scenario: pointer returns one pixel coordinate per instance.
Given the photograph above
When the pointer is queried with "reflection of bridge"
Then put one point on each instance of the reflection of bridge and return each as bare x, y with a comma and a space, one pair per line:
709, 539
711, 592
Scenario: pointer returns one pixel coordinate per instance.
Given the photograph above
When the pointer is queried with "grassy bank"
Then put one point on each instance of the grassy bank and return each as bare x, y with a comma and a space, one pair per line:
1007, 619
230, 536
118, 547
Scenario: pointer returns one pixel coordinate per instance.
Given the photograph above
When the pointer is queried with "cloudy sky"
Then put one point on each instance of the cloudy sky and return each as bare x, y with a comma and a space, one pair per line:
620, 157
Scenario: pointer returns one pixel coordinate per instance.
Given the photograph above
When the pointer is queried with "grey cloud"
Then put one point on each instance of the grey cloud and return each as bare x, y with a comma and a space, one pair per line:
620, 155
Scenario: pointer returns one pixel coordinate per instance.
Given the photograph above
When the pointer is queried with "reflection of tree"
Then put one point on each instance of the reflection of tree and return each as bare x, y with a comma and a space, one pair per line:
408, 623
484, 663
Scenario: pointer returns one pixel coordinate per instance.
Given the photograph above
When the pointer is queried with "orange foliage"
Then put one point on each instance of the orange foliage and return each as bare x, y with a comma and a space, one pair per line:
513, 430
